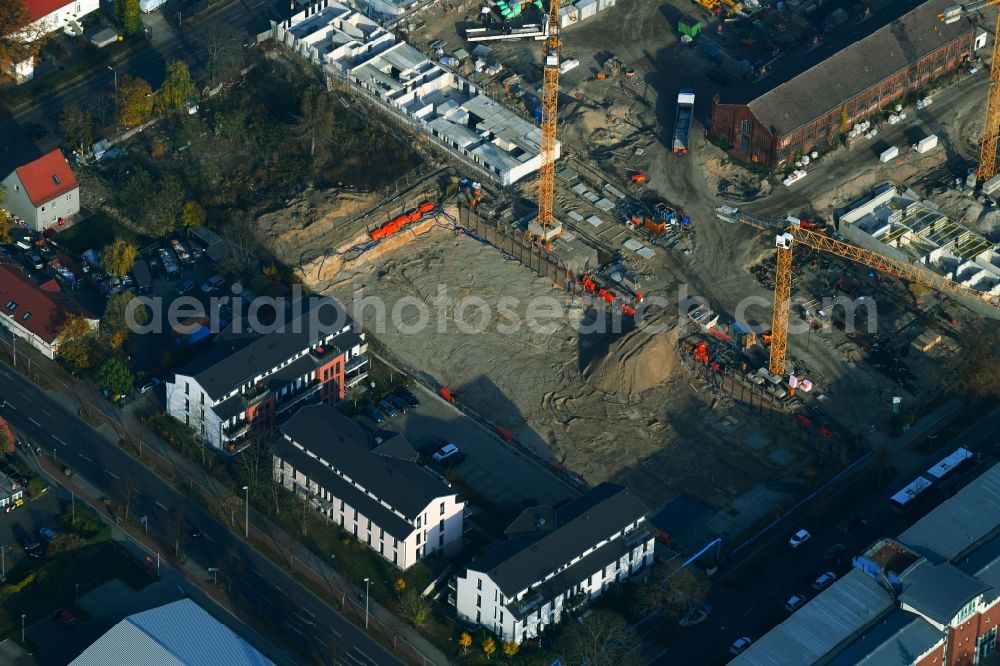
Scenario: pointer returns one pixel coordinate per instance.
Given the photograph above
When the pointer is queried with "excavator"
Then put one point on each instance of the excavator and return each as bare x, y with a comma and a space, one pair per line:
718, 7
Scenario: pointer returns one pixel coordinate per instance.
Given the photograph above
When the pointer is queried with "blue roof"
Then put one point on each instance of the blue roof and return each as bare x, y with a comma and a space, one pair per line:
181, 633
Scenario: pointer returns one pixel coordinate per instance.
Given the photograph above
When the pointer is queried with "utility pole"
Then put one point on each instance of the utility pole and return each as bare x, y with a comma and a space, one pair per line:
246, 519
215, 577
3, 563
117, 111
367, 585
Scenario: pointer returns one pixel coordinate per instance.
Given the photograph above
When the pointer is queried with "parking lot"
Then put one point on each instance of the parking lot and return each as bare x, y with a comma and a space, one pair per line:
492, 468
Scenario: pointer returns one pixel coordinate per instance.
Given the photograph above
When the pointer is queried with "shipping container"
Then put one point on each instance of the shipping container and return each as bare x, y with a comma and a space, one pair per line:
682, 121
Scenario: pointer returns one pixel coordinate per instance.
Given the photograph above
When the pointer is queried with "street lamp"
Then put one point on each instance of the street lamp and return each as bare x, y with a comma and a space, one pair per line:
115, 72
214, 571
76, 596
246, 519
367, 584
22, 627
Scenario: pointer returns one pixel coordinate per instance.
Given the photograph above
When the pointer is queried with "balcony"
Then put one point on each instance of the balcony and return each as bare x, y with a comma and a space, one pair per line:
354, 380
355, 363
256, 393
299, 395
236, 430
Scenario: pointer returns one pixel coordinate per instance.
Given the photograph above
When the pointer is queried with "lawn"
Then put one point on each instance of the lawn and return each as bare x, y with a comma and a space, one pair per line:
94, 233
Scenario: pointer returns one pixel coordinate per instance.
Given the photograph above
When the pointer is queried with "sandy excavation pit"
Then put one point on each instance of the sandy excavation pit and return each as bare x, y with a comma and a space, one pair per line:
608, 407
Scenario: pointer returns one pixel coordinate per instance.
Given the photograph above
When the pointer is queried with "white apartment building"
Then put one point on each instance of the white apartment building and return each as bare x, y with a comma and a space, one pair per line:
249, 380
555, 561
498, 143
378, 494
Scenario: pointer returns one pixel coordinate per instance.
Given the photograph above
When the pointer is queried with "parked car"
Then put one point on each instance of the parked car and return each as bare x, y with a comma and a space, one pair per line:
794, 603
46, 533
184, 287
32, 548
445, 452
194, 532
64, 617
387, 407
398, 403
372, 412
799, 538
212, 283
824, 581
834, 552
695, 615
406, 396
740, 645
848, 524
149, 386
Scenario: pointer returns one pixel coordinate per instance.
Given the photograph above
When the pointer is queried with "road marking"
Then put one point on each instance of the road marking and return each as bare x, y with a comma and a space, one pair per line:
111, 474
161, 506
58, 440
294, 628
266, 600
311, 614
6, 403
281, 590
210, 538
85, 457
750, 610
37, 424
46, 413
307, 621
321, 642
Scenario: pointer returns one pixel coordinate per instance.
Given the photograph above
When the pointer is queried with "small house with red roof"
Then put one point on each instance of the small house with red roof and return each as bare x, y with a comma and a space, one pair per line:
43, 193
48, 16
34, 312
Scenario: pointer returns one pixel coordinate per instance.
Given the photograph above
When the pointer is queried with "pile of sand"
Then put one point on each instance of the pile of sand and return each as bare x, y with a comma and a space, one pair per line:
638, 361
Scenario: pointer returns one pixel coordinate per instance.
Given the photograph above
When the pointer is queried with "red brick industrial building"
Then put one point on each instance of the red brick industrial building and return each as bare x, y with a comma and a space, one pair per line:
809, 106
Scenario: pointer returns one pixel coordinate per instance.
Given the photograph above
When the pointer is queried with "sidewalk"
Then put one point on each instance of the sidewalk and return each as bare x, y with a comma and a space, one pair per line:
125, 424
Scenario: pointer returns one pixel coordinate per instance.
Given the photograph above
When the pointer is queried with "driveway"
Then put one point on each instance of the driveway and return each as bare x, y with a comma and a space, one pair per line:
493, 468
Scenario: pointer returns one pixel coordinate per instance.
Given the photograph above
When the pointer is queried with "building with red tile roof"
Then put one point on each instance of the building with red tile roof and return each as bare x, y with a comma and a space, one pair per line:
48, 16
43, 193
34, 312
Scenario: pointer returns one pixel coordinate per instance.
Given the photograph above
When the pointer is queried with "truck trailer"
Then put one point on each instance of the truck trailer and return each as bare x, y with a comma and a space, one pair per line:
682, 123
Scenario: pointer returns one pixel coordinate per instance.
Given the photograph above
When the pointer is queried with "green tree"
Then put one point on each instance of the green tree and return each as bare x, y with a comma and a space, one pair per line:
193, 215
127, 16
844, 118
114, 376
314, 124
414, 608
114, 321
6, 436
135, 101
77, 128
119, 257
6, 221
163, 210
672, 593
36, 487
976, 374
177, 89
489, 647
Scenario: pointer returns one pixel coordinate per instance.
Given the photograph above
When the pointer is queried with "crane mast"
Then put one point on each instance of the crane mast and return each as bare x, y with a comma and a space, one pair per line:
991, 124
789, 236
550, 106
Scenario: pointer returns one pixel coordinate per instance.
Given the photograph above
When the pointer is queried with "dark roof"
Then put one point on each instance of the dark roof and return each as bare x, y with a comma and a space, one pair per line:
938, 591
594, 517
984, 564
235, 362
395, 445
46, 309
898, 640
341, 489
343, 444
820, 81
532, 519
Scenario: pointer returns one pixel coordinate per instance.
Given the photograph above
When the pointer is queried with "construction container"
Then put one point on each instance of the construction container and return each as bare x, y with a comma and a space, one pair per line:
586, 8
654, 226
927, 143
890, 153
567, 65
689, 26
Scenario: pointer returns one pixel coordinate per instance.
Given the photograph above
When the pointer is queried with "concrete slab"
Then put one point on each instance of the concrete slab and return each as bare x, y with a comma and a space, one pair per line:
782, 456
757, 440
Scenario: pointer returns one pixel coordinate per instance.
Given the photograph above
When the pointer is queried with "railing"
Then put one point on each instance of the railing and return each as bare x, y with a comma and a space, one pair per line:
297, 397
325, 351
236, 430
351, 382
355, 363
254, 394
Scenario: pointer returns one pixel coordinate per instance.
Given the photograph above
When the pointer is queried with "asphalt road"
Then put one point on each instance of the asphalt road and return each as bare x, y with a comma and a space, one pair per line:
754, 603
247, 17
319, 630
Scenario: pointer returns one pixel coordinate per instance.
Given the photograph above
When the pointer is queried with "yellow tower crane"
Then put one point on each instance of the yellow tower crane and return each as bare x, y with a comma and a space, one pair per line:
550, 106
787, 236
991, 126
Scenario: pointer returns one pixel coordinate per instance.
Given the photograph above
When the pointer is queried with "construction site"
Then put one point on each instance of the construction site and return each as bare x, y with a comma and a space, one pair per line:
786, 366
